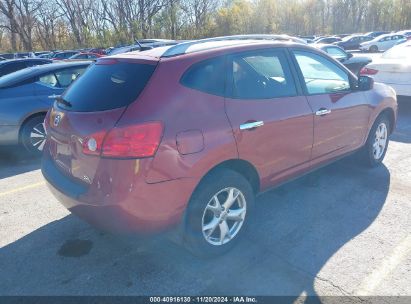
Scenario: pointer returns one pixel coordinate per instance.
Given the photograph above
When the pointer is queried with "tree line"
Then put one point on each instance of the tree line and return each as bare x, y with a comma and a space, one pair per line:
27, 25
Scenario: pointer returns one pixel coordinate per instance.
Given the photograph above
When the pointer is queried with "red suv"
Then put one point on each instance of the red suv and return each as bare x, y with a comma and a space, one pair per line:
185, 136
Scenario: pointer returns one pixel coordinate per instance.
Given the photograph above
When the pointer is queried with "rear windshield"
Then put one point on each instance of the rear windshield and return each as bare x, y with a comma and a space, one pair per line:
108, 86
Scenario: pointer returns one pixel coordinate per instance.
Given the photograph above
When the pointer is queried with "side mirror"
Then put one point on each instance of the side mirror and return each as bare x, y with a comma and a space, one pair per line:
349, 55
365, 83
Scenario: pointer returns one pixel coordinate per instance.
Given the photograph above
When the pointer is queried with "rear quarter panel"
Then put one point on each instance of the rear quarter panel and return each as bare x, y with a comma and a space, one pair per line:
191, 115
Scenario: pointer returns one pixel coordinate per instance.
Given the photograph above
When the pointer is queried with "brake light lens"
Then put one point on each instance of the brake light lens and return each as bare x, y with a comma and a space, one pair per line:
135, 141
368, 71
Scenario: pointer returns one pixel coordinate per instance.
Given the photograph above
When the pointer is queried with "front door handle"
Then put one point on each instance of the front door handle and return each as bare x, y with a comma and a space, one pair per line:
322, 112
251, 125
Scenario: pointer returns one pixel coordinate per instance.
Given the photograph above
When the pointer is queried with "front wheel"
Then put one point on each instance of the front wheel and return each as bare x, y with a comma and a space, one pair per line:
33, 135
377, 142
218, 213
374, 49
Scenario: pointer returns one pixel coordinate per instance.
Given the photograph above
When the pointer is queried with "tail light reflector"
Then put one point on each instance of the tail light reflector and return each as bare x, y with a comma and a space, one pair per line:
134, 141
368, 71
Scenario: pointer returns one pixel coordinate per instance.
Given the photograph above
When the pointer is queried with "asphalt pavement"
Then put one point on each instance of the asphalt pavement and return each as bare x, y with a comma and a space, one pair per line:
344, 230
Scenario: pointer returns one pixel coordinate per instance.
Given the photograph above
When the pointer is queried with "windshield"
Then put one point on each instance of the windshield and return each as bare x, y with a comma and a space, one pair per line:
401, 52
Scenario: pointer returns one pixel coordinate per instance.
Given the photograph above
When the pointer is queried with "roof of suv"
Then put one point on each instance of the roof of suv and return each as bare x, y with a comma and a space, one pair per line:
216, 46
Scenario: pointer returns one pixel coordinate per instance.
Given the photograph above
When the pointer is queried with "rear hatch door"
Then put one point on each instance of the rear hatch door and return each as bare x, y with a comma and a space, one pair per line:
91, 107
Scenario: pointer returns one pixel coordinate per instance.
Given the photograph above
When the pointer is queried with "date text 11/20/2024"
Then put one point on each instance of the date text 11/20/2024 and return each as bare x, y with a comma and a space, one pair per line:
203, 299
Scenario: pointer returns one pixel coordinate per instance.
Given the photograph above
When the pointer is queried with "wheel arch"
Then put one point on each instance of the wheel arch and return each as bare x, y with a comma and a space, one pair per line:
243, 167
389, 113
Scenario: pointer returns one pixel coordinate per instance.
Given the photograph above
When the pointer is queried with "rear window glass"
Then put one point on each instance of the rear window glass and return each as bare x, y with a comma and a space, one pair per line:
108, 86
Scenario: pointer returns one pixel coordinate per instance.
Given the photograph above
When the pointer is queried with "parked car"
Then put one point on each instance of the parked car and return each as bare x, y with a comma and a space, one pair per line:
24, 55
63, 55
7, 55
327, 40
376, 34
382, 43
25, 97
256, 114
85, 56
44, 53
10, 66
124, 49
406, 33
354, 64
308, 38
352, 42
145, 45
100, 51
392, 69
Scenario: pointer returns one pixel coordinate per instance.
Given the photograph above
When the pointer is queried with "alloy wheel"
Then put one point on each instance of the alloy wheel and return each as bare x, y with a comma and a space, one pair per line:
380, 142
38, 136
224, 216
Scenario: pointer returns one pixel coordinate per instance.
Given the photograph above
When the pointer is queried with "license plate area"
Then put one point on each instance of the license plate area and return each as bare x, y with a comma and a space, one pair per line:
62, 154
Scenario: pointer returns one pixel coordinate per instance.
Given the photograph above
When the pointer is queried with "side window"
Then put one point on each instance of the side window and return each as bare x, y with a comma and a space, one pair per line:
49, 80
207, 76
67, 76
321, 76
261, 75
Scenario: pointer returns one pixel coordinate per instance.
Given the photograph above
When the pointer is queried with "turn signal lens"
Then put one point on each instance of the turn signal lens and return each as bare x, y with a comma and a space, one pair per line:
368, 71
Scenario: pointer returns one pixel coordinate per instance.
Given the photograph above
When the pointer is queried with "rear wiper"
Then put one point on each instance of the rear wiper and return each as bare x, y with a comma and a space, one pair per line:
61, 100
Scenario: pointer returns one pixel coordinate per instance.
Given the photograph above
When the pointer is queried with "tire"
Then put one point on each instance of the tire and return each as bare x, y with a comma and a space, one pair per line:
373, 49
33, 135
205, 221
373, 156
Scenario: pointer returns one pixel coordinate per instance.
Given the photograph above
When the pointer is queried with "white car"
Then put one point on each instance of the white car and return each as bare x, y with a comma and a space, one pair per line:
393, 69
382, 43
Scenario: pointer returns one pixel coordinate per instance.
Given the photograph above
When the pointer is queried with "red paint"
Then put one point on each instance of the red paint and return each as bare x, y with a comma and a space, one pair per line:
200, 131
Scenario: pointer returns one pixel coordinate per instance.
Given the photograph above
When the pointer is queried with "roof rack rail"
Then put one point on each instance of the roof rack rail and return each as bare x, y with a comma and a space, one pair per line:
181, 48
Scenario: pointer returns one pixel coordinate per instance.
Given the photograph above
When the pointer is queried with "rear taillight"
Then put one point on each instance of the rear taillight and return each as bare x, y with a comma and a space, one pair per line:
368, 71
125, 142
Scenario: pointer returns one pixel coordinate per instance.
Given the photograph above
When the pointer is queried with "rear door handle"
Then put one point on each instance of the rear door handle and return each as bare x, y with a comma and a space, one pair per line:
322, 112
251, 125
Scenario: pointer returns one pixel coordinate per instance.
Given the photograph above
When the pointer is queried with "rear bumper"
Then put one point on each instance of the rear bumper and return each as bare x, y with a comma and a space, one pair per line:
401, 89
145, 209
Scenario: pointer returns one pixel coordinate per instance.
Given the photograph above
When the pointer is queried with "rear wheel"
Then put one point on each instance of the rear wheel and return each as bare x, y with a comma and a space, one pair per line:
377, 142
33, 135
373, 48
218, 213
